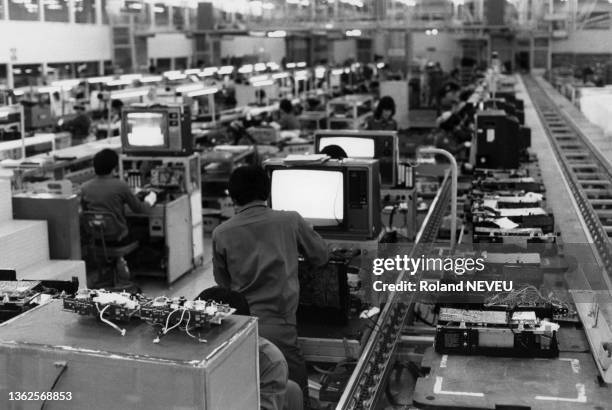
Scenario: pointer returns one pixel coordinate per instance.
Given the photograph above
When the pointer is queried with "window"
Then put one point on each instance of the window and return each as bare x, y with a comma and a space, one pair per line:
85, 11
23, 10
24, 75
163, 64
61, 70
144, 17
178, 18
56, 10
180, 63
161, 14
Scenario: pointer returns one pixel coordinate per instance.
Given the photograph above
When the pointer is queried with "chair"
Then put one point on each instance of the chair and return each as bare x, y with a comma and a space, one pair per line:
102, 230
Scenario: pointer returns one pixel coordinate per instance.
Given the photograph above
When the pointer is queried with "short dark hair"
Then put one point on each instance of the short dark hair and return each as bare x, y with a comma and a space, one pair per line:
286, 106
105, 161
229, 297
334, 152
249, 183
385, 103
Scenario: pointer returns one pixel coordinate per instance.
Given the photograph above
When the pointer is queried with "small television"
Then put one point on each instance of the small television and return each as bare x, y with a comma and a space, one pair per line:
380, 145
340, 198
156, 130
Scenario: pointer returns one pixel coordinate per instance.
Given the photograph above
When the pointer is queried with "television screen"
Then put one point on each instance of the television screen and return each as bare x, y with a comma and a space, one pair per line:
317, 195
146, 129
354, 147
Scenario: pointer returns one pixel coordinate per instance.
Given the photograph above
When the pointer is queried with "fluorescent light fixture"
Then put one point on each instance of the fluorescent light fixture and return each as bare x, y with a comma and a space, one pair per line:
189, 87
291, 65
130, 77
264, 83
151, 79
192, 71
203, 91
175, 77
17, 93
226, 70
172, 72
277, 34
337, 71
257, 33
273, 66
48, 89
380, 65
129, 93
278, 76
66, 83
258, 78
118, 82
246, 69
260, 67
353, 33
301, 64
208, 71
98, 80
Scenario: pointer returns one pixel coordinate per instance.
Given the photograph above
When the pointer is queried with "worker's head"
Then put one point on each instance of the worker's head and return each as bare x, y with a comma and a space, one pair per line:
227, 297
249, 183
334, 151
385, 109
105, 162
286, 106
79, 108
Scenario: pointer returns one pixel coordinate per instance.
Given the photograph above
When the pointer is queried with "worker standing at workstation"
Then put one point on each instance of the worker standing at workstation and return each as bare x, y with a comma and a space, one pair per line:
287, 120
382, 120
79, 126
107, 193
256, 253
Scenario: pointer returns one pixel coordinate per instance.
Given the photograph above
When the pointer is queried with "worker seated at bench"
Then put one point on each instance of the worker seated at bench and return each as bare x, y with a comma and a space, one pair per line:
106, 194
256, 253
276, 391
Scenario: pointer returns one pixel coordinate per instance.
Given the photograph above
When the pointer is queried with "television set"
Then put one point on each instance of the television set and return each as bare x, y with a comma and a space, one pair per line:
340, 198
156, 130
498, 143
380, 145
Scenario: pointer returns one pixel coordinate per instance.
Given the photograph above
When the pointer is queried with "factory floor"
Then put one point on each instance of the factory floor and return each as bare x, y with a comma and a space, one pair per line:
189, 285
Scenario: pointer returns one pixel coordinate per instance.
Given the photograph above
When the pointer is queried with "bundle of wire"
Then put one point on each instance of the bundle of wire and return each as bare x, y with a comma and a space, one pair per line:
526, 295
108, 322
167, 328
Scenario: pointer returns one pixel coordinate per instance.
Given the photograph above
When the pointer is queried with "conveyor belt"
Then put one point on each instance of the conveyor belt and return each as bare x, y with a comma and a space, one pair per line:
364, 387
586, 171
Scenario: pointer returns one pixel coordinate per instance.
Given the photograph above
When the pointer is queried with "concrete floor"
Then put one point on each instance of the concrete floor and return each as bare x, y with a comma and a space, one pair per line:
189, 285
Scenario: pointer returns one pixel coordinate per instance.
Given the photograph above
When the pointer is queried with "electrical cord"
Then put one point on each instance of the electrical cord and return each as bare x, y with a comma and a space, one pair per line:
63, 366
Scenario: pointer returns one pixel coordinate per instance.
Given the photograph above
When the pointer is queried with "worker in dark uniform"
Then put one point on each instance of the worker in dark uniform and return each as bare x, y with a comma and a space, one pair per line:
79, 126
276, 391
256, 253
382, 120
287, 120
106, 193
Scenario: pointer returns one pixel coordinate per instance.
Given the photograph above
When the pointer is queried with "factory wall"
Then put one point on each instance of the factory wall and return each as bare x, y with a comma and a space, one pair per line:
166, 45
35, 42
443, 47
267, 49
584, 41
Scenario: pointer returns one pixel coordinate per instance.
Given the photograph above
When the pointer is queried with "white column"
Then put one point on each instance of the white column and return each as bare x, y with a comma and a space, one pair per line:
5, 8
10, 80
41, 10
98, 7
71, 17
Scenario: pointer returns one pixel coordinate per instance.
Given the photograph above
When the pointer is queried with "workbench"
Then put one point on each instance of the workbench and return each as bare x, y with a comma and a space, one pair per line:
104, 370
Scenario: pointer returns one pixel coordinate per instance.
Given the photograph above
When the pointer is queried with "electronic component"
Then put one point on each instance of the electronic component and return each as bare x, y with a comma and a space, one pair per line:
495, 333
186, 315
161, 311
105, 305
